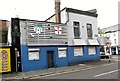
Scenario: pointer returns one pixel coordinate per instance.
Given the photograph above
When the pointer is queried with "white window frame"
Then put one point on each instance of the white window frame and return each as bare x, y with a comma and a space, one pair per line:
115, 41
62, 52
92, 50
89, 29
78, 27
33, 54
78, 51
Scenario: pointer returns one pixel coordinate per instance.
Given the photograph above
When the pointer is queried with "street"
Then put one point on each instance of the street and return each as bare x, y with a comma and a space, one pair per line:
108, 71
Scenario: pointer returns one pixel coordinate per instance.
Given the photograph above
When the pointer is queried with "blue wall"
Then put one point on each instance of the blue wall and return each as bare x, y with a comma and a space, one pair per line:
86, 57
28, 65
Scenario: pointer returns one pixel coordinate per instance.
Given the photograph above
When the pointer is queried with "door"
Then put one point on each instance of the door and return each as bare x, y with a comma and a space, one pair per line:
50, 59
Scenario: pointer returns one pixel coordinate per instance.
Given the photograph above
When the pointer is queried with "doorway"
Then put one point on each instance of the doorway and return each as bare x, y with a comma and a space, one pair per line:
50, 59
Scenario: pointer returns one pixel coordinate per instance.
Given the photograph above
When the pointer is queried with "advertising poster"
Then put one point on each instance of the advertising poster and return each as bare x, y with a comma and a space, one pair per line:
5, 60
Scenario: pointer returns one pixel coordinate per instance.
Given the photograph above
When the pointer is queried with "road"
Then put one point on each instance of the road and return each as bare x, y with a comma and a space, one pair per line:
103, 72
108, 71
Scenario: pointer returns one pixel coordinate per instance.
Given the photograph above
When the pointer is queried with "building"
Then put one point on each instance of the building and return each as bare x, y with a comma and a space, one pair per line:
82, 30
3, 31
3, 23
113, 35
47, 44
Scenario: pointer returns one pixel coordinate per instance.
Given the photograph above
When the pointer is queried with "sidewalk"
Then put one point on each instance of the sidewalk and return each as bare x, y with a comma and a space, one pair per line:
44, 72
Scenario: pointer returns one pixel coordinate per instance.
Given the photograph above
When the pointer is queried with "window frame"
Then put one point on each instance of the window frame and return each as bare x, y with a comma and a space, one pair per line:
90, 30
32, 51
80, 48
76, 25
63, 50
115, 41
91, 52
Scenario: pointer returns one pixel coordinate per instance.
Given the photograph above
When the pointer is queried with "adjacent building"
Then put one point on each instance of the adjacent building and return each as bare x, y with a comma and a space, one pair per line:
3, 23
3, 31
113, 35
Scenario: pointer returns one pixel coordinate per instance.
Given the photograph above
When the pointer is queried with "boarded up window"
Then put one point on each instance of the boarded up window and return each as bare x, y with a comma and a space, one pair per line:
33, 54
91, 50
78, 51
62, 52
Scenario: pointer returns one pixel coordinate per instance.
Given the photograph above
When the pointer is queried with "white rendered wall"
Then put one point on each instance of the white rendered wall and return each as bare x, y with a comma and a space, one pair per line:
83, 20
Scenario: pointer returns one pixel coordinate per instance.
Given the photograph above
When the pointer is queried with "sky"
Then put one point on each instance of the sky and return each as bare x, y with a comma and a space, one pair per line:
107, 10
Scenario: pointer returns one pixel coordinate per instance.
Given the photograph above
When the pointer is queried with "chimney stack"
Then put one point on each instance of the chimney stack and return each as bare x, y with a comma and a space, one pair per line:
57, 11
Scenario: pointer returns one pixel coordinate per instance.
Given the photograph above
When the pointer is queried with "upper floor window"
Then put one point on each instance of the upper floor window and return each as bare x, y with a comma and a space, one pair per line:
89, 30
114, 34
76, 26
115, 41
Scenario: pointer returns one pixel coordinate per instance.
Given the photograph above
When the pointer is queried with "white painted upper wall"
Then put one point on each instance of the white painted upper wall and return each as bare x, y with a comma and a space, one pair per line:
113, 32
69, 18
83, 20
112, 38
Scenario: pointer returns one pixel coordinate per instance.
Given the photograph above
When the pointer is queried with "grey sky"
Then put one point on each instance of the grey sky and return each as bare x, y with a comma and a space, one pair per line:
42, 9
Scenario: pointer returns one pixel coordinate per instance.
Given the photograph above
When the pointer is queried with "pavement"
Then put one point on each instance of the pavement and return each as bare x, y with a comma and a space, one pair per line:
49, 71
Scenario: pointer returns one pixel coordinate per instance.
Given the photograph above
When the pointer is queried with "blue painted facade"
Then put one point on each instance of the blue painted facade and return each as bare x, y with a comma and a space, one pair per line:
43, 34
29, 65
86, 57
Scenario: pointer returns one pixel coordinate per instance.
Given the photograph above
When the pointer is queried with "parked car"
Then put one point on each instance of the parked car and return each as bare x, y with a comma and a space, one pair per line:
104, 55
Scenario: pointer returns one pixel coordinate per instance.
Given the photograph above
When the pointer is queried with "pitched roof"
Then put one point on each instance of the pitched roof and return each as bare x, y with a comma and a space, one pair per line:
88, 13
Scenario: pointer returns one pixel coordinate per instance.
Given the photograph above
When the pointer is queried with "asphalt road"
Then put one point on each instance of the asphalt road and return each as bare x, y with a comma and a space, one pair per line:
109, 71
102, 72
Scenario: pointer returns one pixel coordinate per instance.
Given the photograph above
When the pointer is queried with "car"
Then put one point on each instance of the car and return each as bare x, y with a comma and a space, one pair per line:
104, 55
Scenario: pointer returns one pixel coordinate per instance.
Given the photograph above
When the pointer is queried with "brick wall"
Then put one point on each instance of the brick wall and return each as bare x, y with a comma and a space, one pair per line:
3, 23
3, 31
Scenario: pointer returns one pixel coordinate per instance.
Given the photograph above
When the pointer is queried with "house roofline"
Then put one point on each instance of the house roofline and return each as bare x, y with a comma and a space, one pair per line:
76, 11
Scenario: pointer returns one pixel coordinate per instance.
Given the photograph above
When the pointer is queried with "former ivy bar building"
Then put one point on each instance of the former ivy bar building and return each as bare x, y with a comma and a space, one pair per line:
47, 44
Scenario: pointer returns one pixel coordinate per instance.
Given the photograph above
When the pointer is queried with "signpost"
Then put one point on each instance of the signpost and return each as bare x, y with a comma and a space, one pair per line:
109, 46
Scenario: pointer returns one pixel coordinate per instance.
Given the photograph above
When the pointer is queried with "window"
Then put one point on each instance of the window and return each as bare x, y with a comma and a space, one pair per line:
102, 49
115, 42
114, 34
89, 30
78, 51
62, 53
91, 50
76, 30
33, 54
